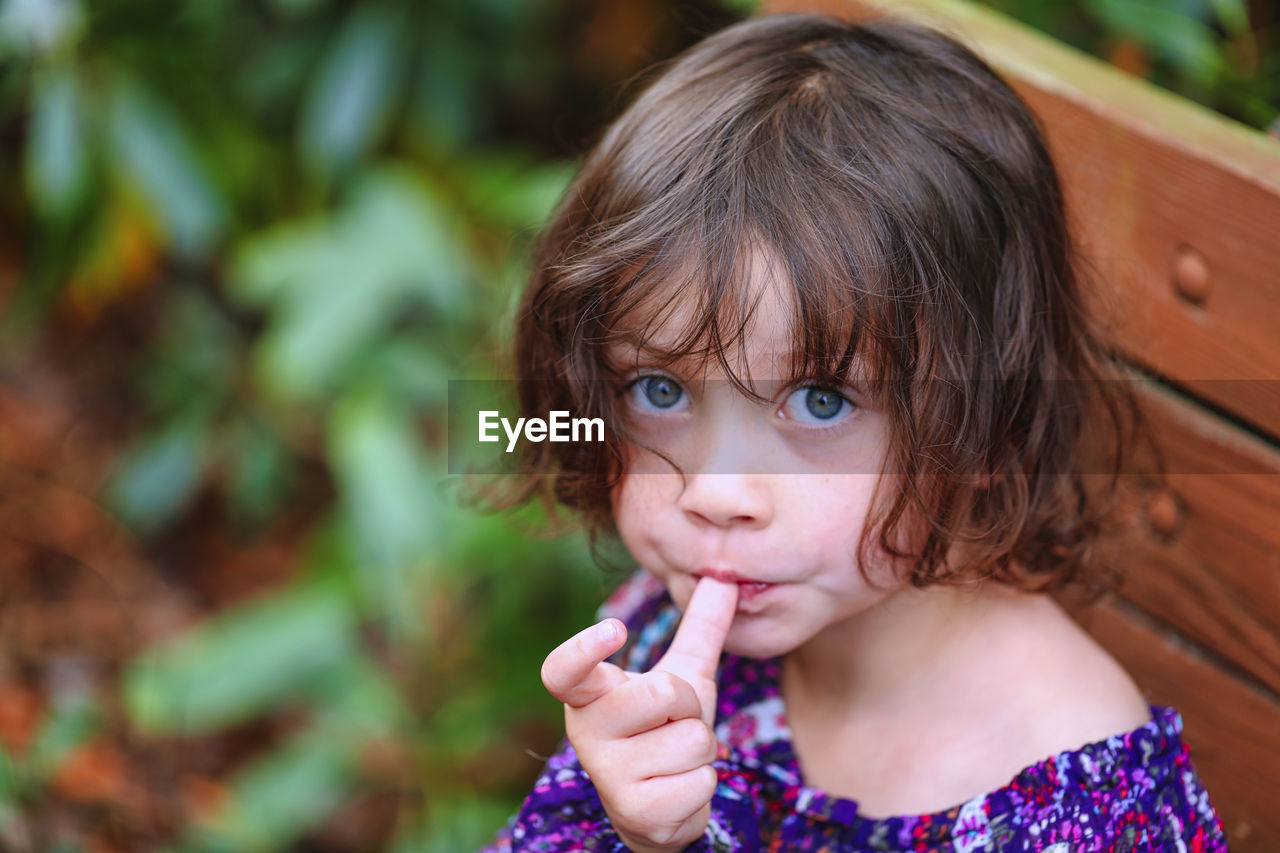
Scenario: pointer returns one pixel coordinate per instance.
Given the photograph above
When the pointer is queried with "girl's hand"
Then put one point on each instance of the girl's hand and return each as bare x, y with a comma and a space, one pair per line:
646, 739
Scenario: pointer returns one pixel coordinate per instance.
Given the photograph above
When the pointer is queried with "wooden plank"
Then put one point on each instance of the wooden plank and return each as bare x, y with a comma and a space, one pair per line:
1233, 731
1205, 555
1142, 206
1160, 190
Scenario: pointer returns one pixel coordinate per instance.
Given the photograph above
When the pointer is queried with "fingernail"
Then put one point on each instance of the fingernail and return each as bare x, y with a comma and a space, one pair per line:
607, 631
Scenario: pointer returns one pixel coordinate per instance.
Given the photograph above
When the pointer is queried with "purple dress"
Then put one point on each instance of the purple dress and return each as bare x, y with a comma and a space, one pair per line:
1136, 791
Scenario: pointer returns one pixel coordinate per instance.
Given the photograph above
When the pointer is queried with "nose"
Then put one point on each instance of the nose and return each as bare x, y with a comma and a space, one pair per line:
727, 480
727, 500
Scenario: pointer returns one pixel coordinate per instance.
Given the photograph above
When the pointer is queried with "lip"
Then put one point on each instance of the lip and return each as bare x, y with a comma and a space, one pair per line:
749, 591
725, 576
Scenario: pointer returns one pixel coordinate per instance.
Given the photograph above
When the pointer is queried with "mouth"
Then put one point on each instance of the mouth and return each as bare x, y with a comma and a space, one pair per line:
748, 590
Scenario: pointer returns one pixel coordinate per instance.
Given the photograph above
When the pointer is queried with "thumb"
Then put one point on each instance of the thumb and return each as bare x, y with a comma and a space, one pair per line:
695, 650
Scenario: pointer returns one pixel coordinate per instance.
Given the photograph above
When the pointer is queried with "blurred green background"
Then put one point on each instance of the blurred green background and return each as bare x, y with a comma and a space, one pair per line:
243, 247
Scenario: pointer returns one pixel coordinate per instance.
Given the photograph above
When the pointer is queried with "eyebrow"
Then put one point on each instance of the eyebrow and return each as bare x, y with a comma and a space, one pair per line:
631, 343
641, 357
643, 345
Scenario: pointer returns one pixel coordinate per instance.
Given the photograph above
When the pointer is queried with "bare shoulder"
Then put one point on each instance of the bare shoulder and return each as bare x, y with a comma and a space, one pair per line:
1073, 691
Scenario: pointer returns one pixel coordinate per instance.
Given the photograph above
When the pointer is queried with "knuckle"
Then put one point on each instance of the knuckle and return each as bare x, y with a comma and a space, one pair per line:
710, 780
690, 736
668, 835
647, 801
662, 688
702, 740
630, 813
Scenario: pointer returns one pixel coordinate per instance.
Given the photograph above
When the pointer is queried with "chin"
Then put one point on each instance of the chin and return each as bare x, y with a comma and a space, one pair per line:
749, 642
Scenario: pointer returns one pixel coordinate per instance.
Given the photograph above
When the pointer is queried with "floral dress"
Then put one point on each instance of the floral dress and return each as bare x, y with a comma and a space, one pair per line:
1136, 791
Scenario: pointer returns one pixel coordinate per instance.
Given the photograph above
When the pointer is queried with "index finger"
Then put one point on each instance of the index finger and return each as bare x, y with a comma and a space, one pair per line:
575, 671
695, 650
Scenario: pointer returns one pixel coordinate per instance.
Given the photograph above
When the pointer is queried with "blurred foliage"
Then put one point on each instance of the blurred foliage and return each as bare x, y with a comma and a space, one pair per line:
1223, 53
328, 212
313, 214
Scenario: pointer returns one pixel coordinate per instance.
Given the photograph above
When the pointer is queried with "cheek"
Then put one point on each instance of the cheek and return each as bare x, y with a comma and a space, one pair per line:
636, 500
842, 503
835, 516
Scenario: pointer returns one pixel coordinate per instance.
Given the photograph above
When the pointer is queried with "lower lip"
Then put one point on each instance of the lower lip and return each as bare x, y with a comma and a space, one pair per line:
750, 593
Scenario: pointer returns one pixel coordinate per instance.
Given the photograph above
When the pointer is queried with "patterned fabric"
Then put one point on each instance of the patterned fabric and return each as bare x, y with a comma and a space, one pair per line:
1136, 791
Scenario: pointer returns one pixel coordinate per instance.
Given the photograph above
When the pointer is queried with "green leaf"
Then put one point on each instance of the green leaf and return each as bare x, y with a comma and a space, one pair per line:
350, 99
260, 469
303, 353
157, 477
509, 189
272, 266
359, 701
1178, 37
383, 483
57, 167
453, 824
191, 368
743, 8
446, 96
242, 663
332, 285
417, 372
294, 8
1233, 15
269, 82
283, 794
154, 153
68, 724
13, 783
39, 27
410, 239
323, 303
375, 456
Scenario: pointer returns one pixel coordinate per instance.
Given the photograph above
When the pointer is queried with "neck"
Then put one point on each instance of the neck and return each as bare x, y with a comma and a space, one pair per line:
895, 656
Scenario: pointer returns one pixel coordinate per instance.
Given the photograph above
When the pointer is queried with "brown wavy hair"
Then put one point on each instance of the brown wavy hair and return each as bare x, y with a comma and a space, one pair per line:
907, 194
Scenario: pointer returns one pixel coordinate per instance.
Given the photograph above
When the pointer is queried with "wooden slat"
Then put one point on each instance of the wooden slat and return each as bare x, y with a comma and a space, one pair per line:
1139, 200
1212, 566
1233, 731
1148, 173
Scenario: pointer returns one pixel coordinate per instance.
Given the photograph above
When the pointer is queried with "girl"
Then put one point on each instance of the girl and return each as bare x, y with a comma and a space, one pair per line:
818, 281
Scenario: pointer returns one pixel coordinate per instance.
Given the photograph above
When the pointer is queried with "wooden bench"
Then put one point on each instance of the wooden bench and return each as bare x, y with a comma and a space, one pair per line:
1179, 211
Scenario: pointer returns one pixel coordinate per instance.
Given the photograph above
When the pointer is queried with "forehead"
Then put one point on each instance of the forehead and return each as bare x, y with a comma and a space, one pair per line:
749, 329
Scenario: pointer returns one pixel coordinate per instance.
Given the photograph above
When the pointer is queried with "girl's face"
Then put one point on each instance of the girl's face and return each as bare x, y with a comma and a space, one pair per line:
767, 500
